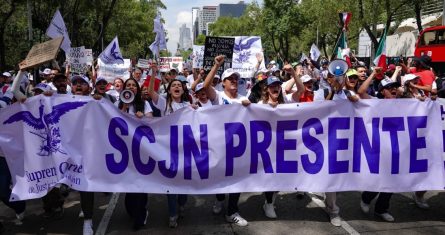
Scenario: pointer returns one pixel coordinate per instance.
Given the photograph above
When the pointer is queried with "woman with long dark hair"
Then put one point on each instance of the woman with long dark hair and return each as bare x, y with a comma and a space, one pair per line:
136, 203
175, 99
273, 95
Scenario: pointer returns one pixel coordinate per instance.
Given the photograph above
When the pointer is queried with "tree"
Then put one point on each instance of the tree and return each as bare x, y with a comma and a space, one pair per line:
7, 8
200, 40
88, 22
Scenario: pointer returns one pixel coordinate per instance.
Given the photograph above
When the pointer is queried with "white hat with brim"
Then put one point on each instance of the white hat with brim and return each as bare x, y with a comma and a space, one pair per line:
6, 74
230, 72
306, 78
47, 71
199, 87
409, 77
84, 78
43, 87
100, 79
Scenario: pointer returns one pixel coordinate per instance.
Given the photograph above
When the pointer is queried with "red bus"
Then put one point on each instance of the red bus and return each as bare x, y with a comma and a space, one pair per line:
431, 42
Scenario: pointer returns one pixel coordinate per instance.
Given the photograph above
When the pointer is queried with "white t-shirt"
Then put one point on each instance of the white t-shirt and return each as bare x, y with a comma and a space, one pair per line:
147, 108
113, 93
208, 104
222, 98
287, 99
162, 104
319, 95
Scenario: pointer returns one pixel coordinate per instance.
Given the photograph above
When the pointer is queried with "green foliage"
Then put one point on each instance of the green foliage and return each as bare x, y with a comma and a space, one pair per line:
200, 40
130, 20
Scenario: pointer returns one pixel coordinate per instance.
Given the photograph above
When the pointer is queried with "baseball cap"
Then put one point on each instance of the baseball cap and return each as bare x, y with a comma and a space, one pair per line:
76, 77
306, 78
392, 67
164, 70
6, 74
43, 87
199, 87
47, 71
230, 72
98, 79
388, 82
181, 78
272, 62
352, 72
272, 79
217, 77
409, 77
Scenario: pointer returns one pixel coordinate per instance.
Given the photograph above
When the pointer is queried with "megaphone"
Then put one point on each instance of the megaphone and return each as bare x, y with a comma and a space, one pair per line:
127, 96
338, 67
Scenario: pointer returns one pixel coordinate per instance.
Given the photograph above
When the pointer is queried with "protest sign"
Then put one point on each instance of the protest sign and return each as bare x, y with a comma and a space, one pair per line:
112, 71
78, 60
245, 53
198, 56
320, 147
143, 63
171, 63
215, 46
89, 56
42, 53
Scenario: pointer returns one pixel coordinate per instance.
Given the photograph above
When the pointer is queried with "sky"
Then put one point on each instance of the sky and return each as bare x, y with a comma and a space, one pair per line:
180, 11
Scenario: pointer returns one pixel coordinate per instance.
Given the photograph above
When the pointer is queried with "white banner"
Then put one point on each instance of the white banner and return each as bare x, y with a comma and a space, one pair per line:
318, 147
112, 71
244, 60
171, 63
198, 56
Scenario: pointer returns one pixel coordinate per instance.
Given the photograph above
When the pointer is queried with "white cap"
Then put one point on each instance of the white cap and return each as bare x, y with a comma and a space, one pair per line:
272, 62
409, 77
75, 77
164, 70
43, 87
230, 72
47, 71
98, 79
199, 87
7, 74
306, 78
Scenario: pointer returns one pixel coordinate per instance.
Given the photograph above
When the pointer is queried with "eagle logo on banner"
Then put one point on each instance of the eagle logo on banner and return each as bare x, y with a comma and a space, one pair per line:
241, 49
45, 125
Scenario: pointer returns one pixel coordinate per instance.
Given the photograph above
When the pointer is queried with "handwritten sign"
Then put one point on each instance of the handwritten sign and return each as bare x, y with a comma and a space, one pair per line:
42, 53
78, 60
143, 63
215, 46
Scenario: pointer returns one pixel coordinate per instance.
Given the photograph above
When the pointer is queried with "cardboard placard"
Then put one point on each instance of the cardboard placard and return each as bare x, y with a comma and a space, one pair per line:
42, 53
215, 46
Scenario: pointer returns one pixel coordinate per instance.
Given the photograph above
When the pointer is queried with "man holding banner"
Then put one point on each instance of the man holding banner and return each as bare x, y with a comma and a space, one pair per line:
228, 96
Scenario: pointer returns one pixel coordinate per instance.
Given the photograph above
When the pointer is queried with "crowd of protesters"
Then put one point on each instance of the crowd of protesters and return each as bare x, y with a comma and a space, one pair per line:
159, 92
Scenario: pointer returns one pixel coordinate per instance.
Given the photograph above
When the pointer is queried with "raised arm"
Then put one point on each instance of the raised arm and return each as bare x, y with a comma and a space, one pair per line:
297, 80
151, 85
211, 93
363, 89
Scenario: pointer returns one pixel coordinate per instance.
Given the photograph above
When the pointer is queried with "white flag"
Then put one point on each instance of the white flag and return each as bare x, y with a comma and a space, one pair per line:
160, 43
112, 54
315, 53
303, 57
57, 29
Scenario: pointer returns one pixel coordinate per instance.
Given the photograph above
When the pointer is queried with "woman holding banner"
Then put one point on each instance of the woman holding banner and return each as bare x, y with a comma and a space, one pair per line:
387, 90
136, 203
273, 96
175, 99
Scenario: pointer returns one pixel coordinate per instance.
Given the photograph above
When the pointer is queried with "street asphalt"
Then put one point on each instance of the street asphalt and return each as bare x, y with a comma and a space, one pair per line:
295, 216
